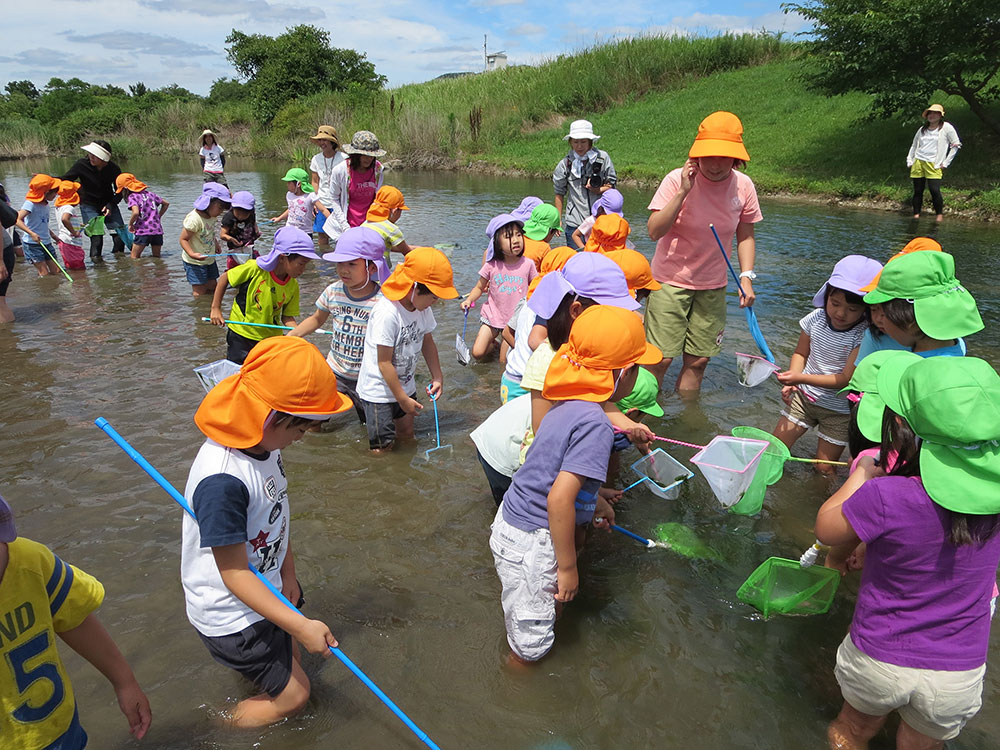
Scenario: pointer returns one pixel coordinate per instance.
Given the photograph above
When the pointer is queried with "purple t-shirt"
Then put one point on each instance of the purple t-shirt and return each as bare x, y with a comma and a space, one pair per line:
923, 603
574, 436
507, 285
149, 214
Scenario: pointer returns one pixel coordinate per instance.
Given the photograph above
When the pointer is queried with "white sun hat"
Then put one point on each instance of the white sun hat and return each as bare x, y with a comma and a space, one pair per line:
97, 150
581, 129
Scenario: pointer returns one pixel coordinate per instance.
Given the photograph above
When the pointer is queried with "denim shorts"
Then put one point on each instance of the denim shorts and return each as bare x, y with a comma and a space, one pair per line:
201, 274
111, 221
34, 253
148, 239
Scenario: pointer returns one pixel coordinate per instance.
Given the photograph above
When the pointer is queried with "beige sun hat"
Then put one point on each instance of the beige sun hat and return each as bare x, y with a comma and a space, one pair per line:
933, 108
326, 133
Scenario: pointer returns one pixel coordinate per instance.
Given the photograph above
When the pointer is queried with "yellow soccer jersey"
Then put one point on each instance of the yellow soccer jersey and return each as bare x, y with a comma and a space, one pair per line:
40, 596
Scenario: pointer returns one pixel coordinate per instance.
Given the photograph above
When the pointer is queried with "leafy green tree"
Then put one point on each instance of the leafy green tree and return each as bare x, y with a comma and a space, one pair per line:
60, 98
226, 90
902, 51
138, 89
25, 88
297, 63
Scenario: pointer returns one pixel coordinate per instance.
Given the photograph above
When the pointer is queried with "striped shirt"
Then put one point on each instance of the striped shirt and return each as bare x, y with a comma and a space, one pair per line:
828, 353
392, 235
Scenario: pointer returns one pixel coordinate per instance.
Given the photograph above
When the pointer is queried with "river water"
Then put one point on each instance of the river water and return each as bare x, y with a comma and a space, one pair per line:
392, 551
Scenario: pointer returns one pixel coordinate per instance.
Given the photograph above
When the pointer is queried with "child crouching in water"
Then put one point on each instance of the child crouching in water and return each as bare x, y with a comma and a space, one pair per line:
823, 361
37, 706
533, 534
147, 211
267, 291
399, 328
349, 300
239, 494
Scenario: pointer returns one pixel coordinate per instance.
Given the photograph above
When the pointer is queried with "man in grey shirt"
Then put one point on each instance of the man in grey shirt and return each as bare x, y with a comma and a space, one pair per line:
581, 177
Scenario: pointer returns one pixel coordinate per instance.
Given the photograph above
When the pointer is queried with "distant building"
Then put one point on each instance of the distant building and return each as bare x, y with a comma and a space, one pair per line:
496, 61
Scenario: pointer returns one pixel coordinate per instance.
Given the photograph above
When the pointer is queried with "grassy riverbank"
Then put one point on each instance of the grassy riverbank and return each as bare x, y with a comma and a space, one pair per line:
645, 96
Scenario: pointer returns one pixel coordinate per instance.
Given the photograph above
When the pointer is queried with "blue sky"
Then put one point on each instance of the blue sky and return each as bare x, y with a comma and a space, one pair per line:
183, 41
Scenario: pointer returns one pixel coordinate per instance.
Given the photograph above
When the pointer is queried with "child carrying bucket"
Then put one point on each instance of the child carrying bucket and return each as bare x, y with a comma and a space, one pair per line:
823, 361
147, 212
69, 225
349, 300
399, 328
239, 493
534, 531
919, 637
505, 278
41, 597
267, 291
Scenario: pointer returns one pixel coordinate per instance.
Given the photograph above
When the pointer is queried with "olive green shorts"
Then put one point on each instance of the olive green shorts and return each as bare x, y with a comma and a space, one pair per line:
688, 321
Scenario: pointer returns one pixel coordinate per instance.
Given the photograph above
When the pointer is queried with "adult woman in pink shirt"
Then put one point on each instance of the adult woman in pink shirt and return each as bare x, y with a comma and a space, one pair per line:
688, 314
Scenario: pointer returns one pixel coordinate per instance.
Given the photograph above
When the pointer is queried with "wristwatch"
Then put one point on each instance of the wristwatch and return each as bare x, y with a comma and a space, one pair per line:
748, 275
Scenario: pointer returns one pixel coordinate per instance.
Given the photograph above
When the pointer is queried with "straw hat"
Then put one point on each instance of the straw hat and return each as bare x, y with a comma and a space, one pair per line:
720, 134
602, 339
933, 108
326, 133
281, 373
422, 265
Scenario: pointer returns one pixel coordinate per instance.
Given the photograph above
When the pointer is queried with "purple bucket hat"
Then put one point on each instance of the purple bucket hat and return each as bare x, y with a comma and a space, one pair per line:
590, 275
8, 532
244, 199
850, 274
364, 243
611, 201
211, 190
502, 220
287, 240
523, 212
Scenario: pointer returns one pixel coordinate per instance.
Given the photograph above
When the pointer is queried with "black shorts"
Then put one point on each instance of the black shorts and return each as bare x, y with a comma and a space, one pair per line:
262, 653
238, 347
8, 260
380, 419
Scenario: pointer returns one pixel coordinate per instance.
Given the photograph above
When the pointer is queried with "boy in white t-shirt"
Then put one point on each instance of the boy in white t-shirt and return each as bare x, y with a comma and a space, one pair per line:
399, 328
239, 494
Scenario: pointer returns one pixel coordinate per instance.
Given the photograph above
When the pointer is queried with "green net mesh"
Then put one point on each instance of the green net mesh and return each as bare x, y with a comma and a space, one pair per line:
684, 541
768, 471
784, 587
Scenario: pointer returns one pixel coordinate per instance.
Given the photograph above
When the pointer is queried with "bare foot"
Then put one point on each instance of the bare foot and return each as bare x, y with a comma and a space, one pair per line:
939, 218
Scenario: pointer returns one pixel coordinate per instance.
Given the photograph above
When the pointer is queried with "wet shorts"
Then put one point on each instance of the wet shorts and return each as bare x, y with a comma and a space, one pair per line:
526, 564
380, 419
34, 253
686, 321
830, 425
262, 653
197, 275
935, 703
148, 239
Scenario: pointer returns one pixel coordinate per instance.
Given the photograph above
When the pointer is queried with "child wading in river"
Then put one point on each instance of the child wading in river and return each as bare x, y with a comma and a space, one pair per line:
505, 277
69, 225
239, 228
198, 239
302, 203
33, 220
267, 291
147, 211
239, 494
556, 490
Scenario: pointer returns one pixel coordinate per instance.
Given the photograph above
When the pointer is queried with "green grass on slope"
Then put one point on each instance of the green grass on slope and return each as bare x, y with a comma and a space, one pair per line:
798, 141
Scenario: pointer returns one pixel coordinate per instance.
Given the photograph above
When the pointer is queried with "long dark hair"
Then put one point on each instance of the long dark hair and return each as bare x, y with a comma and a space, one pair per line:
965, 528
561, 321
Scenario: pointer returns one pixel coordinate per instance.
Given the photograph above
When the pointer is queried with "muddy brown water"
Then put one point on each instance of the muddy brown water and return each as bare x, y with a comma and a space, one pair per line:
392, 551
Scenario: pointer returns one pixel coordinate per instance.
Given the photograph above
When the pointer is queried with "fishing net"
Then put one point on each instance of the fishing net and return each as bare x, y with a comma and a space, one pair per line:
769, 470
663, 474
753, 370
209, 375
728, 465
94, 227
784, 587
684, 541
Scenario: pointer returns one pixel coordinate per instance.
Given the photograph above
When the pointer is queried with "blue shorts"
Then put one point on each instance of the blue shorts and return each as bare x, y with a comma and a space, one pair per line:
155, 240
201, 274
509, 389
34, 253
319, 222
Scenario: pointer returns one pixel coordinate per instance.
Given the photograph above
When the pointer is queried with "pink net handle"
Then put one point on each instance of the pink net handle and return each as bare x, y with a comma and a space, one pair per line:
620, 431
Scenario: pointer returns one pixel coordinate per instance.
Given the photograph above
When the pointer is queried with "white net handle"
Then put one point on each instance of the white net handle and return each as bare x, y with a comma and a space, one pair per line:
810, 556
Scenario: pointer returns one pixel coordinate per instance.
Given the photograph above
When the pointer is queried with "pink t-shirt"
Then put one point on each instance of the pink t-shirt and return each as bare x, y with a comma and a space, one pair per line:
687, 256
361, 187
507, 285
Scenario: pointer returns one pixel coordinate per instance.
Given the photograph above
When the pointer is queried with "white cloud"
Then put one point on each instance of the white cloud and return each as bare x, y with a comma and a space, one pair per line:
529, 29
259, 10
139, 42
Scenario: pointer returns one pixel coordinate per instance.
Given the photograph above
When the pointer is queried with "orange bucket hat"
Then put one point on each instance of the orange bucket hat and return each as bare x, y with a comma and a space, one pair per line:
422, 265
917, 244
637, 270
602, 339
40, 185
386, 199
281, 373
609, 233
720, 134
128, 181
68, 195
554, 260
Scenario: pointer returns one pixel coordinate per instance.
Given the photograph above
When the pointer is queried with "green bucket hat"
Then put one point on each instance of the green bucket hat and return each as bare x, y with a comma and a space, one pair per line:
544, 218
299, 175
942, 306
643, 395
953, 405
865, 380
